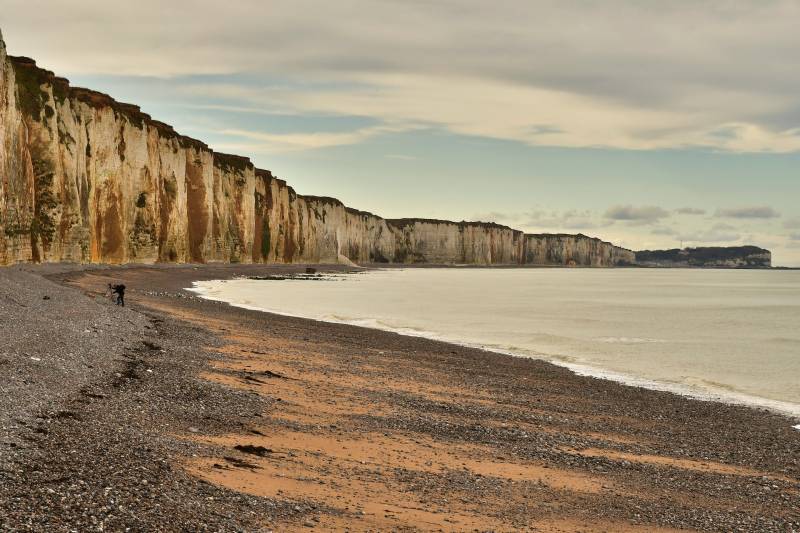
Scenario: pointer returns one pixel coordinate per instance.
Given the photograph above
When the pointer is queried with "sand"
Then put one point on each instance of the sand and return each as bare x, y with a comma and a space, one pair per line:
269, 422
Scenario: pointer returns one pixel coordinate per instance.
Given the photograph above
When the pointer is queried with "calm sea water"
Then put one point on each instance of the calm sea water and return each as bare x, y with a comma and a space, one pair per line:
727, 334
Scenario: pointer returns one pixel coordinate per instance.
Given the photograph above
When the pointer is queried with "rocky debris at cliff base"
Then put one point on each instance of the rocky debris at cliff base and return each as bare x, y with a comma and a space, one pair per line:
301, 277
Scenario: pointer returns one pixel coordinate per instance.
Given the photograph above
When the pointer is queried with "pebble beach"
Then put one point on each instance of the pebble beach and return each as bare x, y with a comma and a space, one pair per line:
176, 413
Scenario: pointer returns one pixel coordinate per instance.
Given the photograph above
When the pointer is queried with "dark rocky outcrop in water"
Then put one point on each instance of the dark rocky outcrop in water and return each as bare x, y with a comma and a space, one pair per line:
710, 256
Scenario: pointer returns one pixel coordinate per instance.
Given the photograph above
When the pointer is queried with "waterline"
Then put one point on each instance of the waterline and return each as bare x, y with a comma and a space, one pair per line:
714, 335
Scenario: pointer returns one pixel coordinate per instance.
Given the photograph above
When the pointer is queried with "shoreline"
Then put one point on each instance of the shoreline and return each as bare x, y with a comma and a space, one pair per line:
728, 396
239, 419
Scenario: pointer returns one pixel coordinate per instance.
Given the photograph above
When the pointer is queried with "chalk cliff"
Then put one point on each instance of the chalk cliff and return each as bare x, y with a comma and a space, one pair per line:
573, 250
88, 179
708, 256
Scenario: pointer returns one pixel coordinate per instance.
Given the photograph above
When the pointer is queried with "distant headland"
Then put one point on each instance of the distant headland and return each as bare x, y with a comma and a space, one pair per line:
707, 257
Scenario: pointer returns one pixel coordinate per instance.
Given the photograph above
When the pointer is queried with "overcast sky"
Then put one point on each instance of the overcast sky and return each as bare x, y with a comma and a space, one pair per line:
650, 124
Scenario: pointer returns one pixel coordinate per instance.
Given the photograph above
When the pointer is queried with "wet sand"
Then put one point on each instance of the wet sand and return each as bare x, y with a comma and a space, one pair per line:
340, 427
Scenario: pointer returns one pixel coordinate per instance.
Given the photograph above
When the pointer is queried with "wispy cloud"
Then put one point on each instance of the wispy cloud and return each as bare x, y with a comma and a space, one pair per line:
637, 215
792, 223
548, 219
487, 107
690, 211
748, 212
497, 216
560, 82
238, 109
718, 233
265, 142
566, 220
663, 230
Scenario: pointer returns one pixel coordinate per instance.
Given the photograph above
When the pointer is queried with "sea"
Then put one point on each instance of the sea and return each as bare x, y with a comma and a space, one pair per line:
729, 335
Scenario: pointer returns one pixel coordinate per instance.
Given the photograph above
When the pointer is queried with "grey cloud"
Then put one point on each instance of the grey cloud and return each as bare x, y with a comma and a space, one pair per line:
539, 214
717, 233
663, 230
497, 216
550, 220
748, 212
543, 129
571, 219
690, 211
582, 224
792, 223
728, 72
641, 215
723, 226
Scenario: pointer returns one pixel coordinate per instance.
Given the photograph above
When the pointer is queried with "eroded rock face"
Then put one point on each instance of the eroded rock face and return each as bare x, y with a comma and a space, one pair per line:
442, 242
574, 250
708, 256
89, 179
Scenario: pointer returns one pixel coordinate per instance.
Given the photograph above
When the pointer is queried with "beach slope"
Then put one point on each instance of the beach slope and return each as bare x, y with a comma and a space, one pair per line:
180, 413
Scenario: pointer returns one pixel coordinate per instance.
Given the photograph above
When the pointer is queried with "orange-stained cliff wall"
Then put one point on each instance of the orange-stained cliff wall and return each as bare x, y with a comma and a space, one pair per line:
89, 179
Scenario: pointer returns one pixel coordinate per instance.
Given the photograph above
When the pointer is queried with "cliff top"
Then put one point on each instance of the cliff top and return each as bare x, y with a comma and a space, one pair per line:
268, 175
231, 162
574, 235
404, 222
704, 252
31, 77
327, 200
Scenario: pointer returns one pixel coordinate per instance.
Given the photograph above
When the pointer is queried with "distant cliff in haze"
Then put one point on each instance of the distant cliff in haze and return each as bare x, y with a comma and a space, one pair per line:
710, 256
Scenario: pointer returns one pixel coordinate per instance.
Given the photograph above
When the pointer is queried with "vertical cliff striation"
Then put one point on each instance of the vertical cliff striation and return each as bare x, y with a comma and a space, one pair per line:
441, 241
574, 250
88, 179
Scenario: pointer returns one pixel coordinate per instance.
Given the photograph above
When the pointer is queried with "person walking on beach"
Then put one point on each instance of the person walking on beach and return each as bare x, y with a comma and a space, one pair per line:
119, 290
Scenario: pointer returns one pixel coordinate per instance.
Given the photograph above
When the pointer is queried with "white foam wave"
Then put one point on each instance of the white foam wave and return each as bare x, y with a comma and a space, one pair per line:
629, 340
699, 390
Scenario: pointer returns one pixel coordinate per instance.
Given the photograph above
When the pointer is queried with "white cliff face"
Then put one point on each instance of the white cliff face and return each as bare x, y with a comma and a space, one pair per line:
443, 242
16, 185
88, 179
574, 250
